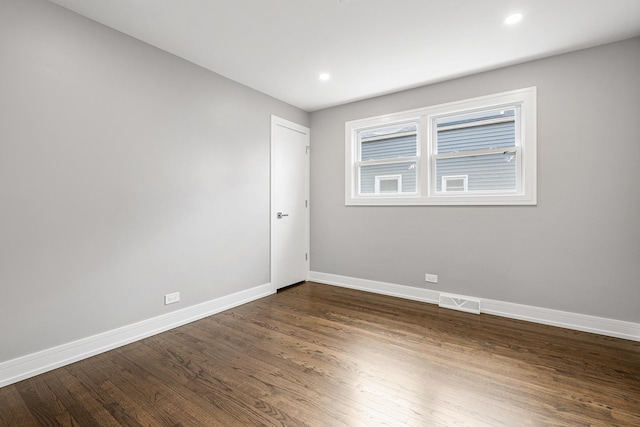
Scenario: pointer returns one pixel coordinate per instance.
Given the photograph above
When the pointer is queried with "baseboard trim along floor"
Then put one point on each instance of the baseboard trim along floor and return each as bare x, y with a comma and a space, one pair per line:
33, 364
545, 316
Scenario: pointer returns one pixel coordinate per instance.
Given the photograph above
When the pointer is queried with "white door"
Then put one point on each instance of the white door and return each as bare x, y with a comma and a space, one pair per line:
289, 203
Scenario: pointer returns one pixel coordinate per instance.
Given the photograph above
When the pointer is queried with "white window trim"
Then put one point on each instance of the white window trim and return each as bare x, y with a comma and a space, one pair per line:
388, 178
525, 194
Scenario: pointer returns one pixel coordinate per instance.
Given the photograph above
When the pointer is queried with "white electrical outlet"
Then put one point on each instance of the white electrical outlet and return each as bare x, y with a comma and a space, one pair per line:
171, 298
431, 278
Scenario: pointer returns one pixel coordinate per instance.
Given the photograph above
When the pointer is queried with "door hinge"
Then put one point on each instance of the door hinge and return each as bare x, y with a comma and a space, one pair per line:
307, 149
306, 257
306, 203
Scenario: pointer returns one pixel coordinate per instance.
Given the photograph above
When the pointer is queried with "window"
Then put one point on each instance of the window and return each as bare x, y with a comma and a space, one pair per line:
388, 184
480, 145
480, 151
386, 159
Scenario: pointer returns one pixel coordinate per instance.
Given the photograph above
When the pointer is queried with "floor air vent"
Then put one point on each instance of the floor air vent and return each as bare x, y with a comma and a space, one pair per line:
459, 302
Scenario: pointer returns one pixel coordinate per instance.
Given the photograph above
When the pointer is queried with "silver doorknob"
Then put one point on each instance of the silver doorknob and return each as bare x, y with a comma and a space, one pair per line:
280, 215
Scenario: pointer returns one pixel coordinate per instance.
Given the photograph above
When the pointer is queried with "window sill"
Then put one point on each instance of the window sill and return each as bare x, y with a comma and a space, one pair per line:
492, 200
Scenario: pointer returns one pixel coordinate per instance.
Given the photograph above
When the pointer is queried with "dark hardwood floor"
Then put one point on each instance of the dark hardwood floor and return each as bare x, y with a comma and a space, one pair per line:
317, 355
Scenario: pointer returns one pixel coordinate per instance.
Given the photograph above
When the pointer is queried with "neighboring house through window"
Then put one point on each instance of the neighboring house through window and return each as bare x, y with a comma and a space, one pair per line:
477, 151
387, 157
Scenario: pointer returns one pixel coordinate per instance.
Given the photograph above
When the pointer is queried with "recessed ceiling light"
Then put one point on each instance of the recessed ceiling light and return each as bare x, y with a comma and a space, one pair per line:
514, 18
324, 76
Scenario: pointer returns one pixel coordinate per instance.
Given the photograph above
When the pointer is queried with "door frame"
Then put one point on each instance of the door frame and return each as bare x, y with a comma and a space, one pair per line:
278, 121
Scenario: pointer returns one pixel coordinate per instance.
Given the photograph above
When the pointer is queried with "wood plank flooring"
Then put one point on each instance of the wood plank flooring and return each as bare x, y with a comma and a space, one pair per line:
317, 355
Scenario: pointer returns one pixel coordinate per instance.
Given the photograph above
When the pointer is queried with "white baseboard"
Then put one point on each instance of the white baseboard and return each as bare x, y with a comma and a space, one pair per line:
401, 291
33, 364
564, 319
545, 316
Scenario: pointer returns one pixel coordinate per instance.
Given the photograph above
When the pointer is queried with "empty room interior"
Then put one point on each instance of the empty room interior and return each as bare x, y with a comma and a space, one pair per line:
320, 213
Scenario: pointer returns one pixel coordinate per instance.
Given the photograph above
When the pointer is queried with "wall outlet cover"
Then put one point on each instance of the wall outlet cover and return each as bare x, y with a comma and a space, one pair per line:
171, 298
432, 278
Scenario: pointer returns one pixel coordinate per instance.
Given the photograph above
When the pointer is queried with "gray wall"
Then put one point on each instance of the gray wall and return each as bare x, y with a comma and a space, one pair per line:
125, 173
578, 250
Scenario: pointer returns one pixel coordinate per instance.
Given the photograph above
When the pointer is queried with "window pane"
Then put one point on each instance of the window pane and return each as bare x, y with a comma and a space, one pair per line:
488, 172
389, 185
368, 174
478, 131
389, 142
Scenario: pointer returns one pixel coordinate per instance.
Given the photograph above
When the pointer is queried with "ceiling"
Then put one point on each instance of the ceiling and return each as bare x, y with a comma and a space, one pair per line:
370, 47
